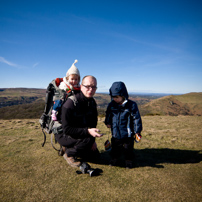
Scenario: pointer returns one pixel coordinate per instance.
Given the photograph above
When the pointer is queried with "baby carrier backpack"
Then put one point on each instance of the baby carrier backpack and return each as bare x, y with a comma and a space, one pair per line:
49, 126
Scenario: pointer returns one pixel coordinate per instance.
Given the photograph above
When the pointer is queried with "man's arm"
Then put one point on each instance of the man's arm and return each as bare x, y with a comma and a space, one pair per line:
75, 132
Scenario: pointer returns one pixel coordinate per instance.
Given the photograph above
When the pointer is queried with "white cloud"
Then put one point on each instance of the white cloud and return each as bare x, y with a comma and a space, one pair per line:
3, 60
34, 65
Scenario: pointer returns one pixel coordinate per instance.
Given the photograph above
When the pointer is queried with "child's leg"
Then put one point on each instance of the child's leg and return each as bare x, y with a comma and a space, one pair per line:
128, 152
128, 148
57, 105
116, 148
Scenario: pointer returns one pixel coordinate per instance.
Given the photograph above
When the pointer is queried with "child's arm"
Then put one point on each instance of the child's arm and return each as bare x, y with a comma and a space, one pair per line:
137, 121
137, 125
108, 117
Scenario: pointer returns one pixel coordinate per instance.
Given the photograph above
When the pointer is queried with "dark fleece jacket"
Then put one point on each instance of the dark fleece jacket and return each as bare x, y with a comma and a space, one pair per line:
77, 119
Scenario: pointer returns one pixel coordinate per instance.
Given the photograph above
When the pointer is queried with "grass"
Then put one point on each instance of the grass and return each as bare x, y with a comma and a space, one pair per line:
168, 165
191, 98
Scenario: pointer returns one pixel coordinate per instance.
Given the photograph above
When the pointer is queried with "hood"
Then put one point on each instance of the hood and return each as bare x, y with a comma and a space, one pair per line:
118, 88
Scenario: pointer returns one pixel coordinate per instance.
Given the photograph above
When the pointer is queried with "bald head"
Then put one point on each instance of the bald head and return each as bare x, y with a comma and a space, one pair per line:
89, 86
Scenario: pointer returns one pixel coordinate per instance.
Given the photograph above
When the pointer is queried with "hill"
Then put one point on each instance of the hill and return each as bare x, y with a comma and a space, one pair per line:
17, 96
187, 104
18, 103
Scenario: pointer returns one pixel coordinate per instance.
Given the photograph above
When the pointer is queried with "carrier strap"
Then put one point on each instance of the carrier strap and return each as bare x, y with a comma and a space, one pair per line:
52, 142
72, 88
44, 138
73, 98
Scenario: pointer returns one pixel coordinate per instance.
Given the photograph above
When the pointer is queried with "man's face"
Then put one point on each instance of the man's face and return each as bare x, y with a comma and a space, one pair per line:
88, 87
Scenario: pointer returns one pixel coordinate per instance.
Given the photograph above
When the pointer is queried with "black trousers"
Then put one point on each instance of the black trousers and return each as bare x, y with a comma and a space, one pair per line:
124, 145
76, 147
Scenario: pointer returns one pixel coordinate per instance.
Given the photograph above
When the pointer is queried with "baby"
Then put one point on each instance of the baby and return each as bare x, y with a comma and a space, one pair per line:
69, 83
72, 79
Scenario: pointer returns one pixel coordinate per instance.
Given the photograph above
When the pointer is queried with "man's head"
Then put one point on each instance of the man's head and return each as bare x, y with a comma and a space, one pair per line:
89, 86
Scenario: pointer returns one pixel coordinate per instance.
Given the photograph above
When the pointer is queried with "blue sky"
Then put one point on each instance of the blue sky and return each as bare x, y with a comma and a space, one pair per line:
153, 46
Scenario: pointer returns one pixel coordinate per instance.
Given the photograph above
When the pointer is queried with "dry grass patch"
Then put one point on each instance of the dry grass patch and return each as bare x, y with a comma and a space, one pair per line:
168, 165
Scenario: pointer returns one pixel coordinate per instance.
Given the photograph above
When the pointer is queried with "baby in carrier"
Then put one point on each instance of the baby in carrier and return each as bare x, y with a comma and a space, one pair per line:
70, 83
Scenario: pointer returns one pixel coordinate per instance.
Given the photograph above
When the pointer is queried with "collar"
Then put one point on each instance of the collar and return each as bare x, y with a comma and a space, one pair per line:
124, 103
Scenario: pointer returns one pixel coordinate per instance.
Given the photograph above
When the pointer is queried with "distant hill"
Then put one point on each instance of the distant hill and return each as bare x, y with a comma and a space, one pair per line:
187, 104
18, 103
17, 96
29, 102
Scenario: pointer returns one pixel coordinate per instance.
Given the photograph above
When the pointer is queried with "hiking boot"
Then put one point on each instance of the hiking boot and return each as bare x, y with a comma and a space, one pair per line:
72, 161
113, 162
129, 164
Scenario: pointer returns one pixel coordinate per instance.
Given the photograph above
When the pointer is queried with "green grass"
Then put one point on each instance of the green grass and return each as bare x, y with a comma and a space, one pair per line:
168, 165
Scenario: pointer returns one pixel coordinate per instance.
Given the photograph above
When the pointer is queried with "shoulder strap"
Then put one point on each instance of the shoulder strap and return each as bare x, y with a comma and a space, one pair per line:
73, 98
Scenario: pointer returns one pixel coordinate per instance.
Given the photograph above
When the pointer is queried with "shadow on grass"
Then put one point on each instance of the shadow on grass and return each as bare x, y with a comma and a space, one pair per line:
157, 157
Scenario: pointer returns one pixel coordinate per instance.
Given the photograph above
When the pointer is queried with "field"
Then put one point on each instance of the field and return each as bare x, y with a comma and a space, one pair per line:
168, 165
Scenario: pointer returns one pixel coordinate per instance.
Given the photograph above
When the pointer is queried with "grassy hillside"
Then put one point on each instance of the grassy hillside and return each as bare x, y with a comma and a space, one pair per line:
20, 96
16, 92
29, 103
168, 165
187, 104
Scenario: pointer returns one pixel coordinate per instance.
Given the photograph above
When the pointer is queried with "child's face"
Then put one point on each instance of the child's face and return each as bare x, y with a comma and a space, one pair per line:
118, 99
73, 79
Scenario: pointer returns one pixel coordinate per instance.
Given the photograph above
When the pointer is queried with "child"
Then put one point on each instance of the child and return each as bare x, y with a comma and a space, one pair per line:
69, 83
124, 119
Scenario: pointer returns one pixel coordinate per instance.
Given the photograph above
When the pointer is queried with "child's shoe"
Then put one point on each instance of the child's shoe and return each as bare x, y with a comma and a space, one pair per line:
53, 115
113, 162
129, 164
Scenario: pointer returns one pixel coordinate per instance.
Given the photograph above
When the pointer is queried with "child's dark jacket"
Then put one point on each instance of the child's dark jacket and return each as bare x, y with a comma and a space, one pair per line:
125, 119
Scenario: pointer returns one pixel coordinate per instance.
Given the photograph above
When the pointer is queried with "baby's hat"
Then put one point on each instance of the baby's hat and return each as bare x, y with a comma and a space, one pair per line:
73, 69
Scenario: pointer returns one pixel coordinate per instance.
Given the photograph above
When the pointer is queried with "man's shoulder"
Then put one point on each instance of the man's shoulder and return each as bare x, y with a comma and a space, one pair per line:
71, 101
68, 103
79, 95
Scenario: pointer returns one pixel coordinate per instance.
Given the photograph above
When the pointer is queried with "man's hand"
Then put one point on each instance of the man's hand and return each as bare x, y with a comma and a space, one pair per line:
94, 132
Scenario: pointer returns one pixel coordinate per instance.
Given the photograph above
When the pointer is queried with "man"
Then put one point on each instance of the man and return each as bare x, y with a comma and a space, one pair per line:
79, 121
